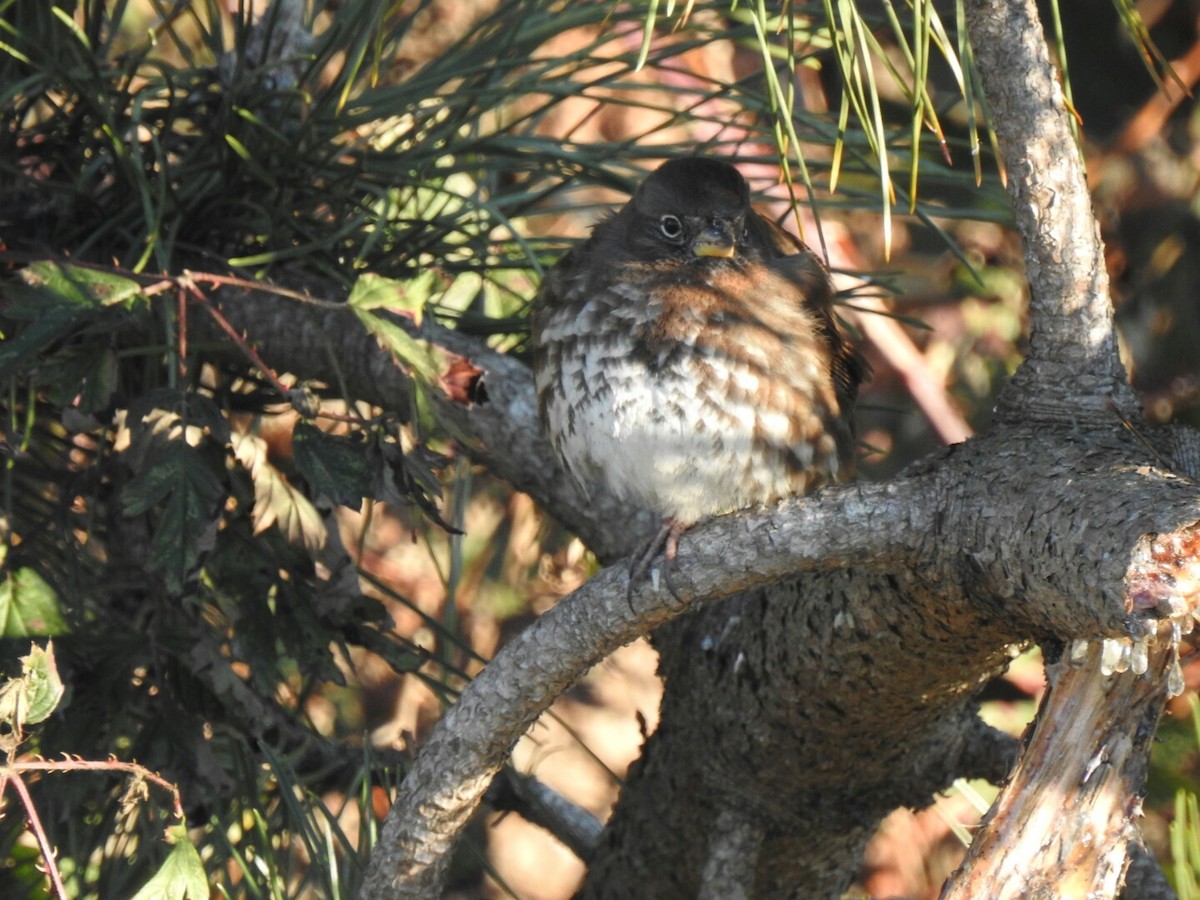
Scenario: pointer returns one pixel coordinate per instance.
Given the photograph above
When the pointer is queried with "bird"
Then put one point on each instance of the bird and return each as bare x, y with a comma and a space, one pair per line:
687, 358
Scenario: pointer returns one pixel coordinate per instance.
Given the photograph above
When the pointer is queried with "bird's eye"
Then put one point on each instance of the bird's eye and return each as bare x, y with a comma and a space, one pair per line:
671, 227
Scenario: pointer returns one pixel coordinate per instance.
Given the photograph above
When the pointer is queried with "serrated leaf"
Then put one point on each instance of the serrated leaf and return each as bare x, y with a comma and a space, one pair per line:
424, 408
52, 326
99, 382
409, 351
176, 478
342, 469
87, 371
373, 292
276, 501
40, 673
200, 411
182, 874
409, 478
54, 299
13, 702
173, 467
28, 606
33, 696
49, 283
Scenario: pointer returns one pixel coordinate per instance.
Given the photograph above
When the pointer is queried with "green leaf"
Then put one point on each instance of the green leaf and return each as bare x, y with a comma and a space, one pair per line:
100, 382
55, 299
373, 292
52, 326
45, 688
33, 696
276, 501
28, 606
177, 478
342, 469
55, 284
87, 371
182, 874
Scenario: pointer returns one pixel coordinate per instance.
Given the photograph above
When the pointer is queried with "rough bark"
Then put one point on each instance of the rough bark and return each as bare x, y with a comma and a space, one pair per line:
1064, 821
1074, 383
1073, 368
820, 730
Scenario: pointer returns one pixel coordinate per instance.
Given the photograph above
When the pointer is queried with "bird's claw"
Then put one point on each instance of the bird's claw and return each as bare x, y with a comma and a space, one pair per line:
665, 541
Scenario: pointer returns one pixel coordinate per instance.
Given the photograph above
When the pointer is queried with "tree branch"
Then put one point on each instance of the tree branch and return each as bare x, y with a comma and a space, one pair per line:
540, 805
1063, 823
733, 851
1073, 369
324, 341
473, 739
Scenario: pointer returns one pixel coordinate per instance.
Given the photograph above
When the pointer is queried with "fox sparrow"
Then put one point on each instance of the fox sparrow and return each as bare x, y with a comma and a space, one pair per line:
686, 356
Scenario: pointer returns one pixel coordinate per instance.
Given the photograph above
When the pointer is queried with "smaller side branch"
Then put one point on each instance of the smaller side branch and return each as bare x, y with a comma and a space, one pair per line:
533, 801
987, 753
322, 340
1073, 370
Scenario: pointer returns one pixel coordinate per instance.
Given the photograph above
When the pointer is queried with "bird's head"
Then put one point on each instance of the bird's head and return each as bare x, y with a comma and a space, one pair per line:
688, 208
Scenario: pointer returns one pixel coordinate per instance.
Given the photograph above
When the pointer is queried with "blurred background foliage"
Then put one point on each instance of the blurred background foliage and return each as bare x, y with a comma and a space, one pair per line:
266, 590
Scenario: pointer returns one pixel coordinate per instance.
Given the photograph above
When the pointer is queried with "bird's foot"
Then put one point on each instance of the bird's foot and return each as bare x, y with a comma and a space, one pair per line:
666, 542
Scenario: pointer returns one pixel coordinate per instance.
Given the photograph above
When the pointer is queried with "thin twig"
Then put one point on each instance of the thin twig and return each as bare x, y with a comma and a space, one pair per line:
39, 834
182, 332
108, 765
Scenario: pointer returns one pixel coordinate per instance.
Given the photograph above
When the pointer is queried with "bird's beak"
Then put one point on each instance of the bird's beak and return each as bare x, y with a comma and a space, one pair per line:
715, 240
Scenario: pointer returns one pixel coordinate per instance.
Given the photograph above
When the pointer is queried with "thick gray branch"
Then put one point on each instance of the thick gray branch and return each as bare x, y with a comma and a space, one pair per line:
1068, 813
734, 553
